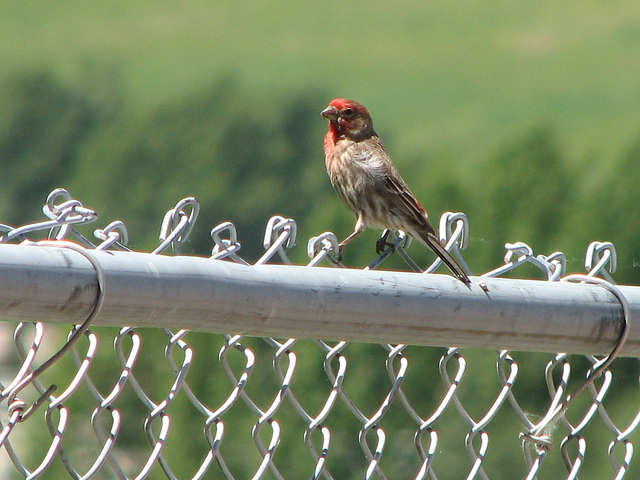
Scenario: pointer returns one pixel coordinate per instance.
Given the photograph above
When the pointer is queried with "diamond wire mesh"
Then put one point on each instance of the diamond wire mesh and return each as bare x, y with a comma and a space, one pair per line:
164, 404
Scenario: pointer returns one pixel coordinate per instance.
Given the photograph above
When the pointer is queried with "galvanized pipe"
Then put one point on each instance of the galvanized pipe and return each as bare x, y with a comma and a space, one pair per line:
59, 285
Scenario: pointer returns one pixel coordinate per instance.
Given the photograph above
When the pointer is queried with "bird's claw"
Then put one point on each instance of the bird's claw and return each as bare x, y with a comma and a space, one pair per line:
382, 245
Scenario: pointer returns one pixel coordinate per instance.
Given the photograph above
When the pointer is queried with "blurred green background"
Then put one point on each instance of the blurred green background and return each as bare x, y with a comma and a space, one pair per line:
523, 115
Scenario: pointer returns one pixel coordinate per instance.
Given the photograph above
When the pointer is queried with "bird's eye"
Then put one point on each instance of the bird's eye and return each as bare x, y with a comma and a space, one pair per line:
348, 113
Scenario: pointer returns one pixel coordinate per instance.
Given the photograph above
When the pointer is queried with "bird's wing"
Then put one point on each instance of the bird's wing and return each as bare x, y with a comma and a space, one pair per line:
399, 188
386, 180
424, 231
404, 200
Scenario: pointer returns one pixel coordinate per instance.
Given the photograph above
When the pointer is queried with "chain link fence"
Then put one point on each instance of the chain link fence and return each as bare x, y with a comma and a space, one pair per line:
95, 401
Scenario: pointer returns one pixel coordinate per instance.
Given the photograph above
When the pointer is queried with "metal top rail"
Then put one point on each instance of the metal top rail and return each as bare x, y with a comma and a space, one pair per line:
51, 284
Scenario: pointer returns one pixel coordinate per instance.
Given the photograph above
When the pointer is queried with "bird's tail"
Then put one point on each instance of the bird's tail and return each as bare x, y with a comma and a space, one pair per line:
432, 242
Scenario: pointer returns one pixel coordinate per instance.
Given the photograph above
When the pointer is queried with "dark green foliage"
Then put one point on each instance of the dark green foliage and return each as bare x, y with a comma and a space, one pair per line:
243, 163
529, 190
42, 126
611, 203
526, 195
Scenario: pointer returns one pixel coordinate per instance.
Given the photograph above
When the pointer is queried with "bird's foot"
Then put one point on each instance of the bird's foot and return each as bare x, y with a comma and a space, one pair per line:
382, 244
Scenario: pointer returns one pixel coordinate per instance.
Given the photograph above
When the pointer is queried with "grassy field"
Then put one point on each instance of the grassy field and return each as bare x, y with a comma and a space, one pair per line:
441, 79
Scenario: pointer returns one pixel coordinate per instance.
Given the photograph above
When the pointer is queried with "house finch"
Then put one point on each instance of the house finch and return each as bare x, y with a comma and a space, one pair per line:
369, 184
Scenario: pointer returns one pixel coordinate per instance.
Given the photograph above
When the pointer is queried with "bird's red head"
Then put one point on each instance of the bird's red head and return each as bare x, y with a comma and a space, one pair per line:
349, 119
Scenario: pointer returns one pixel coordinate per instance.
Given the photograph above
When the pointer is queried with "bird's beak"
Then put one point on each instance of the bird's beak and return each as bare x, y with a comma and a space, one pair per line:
330, 113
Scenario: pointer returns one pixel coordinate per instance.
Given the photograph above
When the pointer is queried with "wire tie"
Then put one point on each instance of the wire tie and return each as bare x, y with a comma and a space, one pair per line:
16, 403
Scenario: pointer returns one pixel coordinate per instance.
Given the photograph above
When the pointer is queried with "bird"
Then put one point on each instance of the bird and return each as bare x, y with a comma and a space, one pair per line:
367, 181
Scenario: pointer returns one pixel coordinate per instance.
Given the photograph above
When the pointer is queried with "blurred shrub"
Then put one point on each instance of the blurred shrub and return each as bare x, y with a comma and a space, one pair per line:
243, 160
42, 126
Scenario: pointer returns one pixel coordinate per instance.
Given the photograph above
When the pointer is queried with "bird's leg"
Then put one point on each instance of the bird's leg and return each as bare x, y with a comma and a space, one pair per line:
358, 229
382, 243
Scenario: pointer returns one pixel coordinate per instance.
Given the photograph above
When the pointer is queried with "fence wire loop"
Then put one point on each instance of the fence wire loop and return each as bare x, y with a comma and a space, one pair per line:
321, 247
553, 266
50, 209
226, 246
15, 403
280, 230
177, 224
114, 234
280, 233
458, 238
534, 435
556, 265
62, 217
453, 239
599, 256
69, 212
